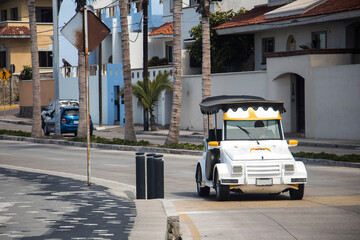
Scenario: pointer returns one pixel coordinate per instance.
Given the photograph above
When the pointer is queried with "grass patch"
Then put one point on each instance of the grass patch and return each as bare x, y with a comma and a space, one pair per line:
116, 141
15, 133
329, 156
187, 146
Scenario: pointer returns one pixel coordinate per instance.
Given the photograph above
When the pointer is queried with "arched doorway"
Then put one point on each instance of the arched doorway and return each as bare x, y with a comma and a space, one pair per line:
297, 104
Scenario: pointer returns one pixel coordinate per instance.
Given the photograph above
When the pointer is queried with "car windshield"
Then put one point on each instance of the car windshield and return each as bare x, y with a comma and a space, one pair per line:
253, 129
71, 112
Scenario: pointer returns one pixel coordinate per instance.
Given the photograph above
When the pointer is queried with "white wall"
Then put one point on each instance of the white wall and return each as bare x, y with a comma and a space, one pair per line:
336, 97
237, 4
250, 83
136, 49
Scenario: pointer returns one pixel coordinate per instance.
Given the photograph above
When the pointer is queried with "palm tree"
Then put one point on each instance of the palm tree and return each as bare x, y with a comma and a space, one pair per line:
36, 126
149, 92
173, 136
204, 9
129, 118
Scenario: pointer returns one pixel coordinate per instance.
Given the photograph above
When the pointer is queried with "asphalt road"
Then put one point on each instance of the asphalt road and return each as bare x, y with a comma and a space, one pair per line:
330, 209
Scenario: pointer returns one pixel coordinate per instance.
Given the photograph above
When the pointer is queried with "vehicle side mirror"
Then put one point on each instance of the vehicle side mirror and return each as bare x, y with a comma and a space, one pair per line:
214, 144
293, 143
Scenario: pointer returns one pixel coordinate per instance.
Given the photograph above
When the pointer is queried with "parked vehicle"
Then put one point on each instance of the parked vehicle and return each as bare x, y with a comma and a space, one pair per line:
248, 153
51, 106
69, 121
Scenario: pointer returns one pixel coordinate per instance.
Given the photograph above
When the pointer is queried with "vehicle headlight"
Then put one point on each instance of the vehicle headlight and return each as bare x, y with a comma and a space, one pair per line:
237, 169
289, 167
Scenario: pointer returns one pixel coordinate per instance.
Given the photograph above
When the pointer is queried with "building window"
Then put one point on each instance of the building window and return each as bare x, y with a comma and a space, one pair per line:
14, 14
193, 2
44, 14
169, 52
291, 43
4, 15
3, 59
45, 59
268, 47
171, 5
319, 40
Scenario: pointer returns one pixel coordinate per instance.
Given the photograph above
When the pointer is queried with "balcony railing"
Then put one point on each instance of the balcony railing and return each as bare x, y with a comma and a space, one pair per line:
313, 51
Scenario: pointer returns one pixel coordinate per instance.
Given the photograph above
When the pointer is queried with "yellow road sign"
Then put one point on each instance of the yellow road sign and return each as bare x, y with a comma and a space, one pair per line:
4, 74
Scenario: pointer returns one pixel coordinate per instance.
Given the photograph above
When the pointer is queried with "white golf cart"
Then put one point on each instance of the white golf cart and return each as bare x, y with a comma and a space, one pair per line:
249, 153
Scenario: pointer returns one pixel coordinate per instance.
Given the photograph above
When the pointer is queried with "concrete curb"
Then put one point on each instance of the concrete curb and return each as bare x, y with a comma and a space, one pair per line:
322, 162
15, 122
328, 145
9, 107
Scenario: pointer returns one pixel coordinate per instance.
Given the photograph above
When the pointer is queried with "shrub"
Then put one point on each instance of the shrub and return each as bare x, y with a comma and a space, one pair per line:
26, 73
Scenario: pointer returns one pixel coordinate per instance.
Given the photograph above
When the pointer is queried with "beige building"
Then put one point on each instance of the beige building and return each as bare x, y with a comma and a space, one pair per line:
15, 34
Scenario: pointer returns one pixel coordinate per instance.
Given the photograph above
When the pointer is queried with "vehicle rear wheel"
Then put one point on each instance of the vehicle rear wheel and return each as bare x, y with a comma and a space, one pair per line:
297, 194
46, 131
222, 191
202, 191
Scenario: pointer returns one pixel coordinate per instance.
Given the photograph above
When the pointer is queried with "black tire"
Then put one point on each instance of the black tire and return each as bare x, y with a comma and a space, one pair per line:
297, 194
222, 191
75, 134
212, 158
202, 191
46, 132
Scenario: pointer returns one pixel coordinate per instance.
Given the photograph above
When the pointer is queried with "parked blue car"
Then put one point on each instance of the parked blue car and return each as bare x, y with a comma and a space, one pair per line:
69, 121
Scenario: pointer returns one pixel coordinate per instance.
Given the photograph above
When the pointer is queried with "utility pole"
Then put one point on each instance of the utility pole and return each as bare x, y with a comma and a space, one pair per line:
145, 56
56, 66
100, 80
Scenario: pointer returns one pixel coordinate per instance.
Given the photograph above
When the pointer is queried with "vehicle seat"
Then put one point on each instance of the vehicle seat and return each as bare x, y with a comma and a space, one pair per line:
212, 135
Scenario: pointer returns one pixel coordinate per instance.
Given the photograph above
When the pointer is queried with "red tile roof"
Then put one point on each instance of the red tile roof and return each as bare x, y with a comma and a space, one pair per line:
14, 30
165, 29
257, 15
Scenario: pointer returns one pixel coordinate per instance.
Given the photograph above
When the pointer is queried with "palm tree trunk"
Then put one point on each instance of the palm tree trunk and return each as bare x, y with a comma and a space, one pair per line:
129, 119
206, 64
82, 130
36, 126
173, 136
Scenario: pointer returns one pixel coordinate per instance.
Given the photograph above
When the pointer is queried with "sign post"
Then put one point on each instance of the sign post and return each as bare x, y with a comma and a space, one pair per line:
86, 39
4, 75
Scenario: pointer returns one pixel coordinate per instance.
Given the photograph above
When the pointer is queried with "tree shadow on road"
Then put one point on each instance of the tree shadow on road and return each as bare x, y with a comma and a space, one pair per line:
65, 208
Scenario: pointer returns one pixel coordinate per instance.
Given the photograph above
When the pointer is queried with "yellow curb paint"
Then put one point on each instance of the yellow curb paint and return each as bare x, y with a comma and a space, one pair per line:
192, 227
9, 107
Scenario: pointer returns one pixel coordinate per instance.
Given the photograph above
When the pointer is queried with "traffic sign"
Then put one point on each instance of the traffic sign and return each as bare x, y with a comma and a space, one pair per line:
4, 74
73, 31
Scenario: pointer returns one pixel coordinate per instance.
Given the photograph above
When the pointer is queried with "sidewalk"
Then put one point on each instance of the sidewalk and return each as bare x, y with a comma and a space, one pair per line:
111, 131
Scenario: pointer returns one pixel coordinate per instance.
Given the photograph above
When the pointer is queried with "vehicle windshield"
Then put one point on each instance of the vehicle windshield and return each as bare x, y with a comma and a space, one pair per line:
253, 129
71, 112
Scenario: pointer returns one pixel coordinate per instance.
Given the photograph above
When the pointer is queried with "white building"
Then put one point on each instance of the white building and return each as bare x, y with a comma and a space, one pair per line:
161, 39
307, 53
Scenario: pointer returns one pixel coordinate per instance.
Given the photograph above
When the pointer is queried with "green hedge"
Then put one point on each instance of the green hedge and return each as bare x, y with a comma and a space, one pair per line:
189, 146
329, 156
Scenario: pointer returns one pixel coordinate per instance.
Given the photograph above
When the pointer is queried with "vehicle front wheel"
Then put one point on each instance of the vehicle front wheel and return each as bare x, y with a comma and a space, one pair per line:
46, 131
202, 191
297, 194
222, 191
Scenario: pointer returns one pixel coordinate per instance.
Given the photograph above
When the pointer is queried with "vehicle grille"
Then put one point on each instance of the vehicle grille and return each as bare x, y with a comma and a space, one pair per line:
270, 170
